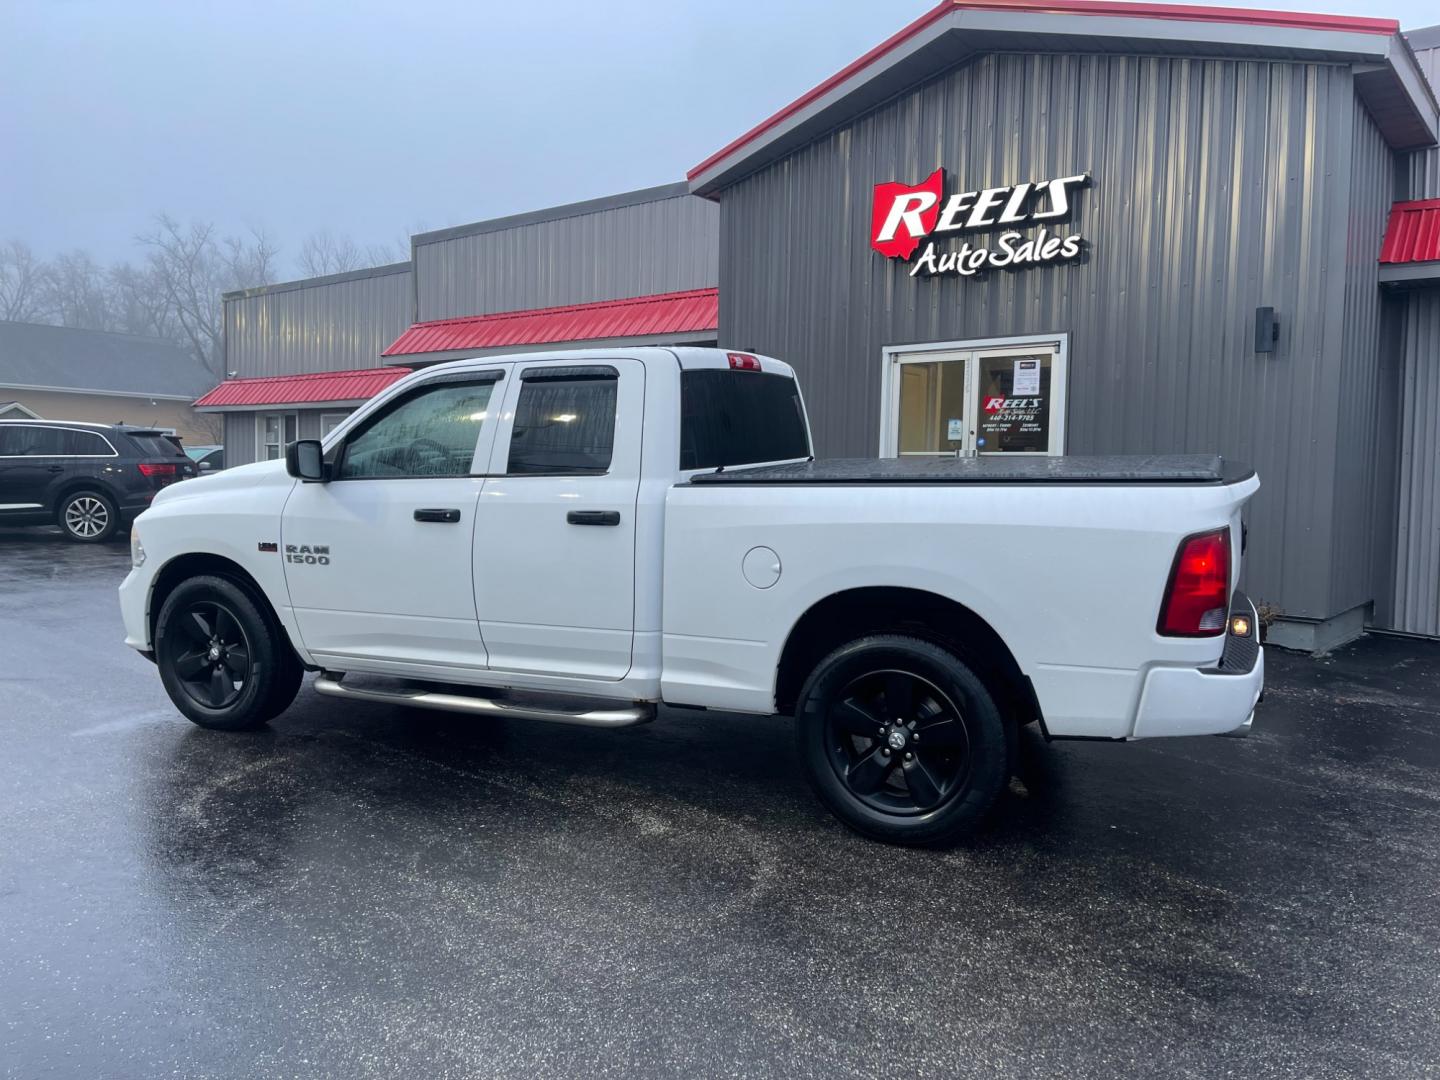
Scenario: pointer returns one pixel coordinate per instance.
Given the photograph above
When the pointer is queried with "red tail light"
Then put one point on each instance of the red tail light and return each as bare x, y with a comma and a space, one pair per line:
743, 362
1198, 596
150, 469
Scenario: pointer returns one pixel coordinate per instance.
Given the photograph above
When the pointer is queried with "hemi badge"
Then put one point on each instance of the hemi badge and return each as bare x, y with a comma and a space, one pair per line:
267, 546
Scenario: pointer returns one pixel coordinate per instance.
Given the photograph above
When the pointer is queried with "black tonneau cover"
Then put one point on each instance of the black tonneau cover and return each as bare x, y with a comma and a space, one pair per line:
1078, 469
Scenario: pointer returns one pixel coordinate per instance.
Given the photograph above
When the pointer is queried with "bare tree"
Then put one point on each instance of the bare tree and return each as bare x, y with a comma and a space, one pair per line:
22, 284
77, 292
193, 266
324, 252
139, 303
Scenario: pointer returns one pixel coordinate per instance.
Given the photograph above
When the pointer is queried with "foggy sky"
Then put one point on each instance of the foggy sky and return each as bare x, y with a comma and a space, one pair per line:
378, 119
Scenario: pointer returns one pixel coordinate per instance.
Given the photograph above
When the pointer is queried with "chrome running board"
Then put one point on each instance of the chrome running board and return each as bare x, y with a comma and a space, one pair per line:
330, 684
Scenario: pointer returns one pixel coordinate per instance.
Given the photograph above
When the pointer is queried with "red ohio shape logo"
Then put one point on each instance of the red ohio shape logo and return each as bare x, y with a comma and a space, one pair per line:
904, 214
994, 404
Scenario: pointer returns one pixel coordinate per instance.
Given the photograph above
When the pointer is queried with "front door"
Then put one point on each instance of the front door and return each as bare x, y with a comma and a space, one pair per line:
28, 465
378, 560
953, 401
555, 533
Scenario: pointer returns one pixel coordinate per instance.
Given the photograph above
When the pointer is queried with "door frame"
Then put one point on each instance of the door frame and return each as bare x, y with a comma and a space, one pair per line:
892, 356
260, 443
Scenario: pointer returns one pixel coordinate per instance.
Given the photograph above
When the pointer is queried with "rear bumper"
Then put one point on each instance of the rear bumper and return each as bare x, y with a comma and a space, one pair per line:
1219, 700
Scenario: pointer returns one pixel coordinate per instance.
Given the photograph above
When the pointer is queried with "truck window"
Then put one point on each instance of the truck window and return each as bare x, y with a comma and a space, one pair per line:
739, 418
431, 431
564, 424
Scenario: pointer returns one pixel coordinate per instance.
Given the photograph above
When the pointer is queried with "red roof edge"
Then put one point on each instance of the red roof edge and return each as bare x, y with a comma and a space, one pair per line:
315, 388
1412, 234
890, 43
1176, 12
660, 313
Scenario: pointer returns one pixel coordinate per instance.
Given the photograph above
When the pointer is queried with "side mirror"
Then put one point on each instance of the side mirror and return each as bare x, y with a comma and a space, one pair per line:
306, 460
205, 466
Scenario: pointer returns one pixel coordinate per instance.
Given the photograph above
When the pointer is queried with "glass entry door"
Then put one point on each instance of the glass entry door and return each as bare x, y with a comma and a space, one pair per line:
1003, 399
936, 408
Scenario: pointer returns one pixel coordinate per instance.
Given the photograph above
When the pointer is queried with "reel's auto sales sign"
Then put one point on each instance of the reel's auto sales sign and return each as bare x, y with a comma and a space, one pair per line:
905, 216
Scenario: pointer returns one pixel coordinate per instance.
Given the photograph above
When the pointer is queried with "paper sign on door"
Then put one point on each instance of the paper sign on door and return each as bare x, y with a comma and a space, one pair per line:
1027, 378
955, 430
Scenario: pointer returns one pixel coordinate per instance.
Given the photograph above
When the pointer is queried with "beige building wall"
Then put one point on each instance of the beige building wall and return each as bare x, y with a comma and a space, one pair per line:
192, 427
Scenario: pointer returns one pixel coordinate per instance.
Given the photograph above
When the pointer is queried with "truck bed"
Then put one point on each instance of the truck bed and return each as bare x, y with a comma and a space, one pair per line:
1076, 469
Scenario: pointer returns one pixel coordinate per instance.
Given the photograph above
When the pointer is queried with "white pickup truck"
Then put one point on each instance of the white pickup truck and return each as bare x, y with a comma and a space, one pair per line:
583, 536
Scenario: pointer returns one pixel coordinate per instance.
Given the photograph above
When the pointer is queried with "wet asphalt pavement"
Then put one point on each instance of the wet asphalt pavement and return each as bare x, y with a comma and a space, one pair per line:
368, 891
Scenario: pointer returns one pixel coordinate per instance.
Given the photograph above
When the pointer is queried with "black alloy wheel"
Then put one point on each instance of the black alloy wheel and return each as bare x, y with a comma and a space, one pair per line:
898, 742
223, 658
212, 657
902, 740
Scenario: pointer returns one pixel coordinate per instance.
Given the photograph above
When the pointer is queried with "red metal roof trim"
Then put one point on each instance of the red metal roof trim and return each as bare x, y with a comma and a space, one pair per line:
637, 316
1413, 232
314, 389
1298, 20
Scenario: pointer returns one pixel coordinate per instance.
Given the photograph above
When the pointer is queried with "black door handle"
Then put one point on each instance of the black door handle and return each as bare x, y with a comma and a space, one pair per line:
57, 468
593, 517
449, 516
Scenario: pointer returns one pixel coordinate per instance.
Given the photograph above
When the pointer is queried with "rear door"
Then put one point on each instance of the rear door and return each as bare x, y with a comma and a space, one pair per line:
378, 560
555, 532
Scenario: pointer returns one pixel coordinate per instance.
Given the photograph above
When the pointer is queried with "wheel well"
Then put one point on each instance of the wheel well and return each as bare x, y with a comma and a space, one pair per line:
184, 567
858, 613
83, 483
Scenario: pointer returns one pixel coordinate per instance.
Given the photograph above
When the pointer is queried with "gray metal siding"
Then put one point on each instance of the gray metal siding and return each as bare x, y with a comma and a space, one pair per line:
1365, 461
1213, 195
1424, 178
331, 324
242, 434
665, 245
1417, 555
240, 439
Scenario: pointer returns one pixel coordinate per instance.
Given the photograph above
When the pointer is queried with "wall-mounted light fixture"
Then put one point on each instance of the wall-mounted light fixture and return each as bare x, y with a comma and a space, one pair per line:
1267, 329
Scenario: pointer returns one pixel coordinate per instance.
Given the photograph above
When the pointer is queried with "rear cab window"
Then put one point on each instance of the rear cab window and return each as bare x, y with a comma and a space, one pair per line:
564, 421
730, 418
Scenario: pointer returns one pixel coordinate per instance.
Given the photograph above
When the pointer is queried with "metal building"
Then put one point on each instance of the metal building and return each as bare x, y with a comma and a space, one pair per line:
1086, 227
1074, 226
638, 267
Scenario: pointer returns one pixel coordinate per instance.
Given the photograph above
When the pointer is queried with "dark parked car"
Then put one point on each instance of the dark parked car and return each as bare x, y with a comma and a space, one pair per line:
90, 479
207, 458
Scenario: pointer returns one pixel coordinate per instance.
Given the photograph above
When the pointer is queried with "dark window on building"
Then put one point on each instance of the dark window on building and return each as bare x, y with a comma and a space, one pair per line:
739, 418
564, 425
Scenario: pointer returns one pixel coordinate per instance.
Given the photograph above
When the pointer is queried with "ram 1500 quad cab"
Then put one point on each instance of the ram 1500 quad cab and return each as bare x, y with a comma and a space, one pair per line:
582, 536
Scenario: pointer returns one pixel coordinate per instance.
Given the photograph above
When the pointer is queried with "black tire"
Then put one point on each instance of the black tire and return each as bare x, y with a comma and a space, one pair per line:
902, 741
87, 516
222, 659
